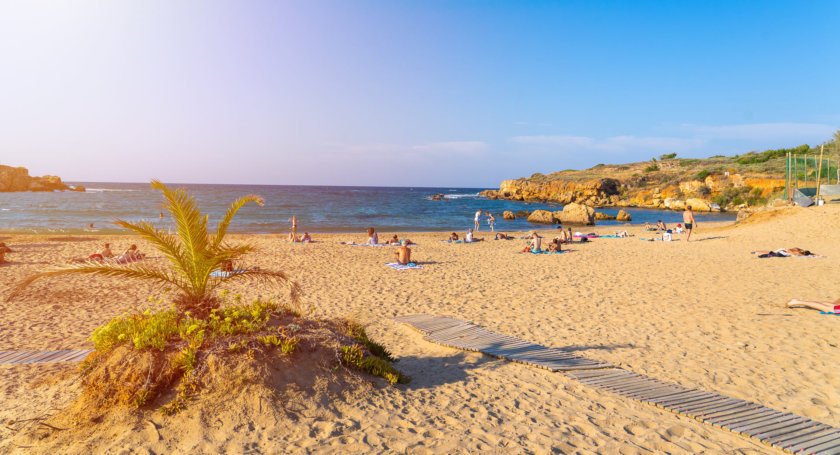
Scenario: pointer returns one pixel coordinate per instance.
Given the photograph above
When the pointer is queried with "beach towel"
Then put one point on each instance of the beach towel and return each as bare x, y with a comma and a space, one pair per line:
122, 260
548, 252
367, 244
398, 266
826, 312
221, 274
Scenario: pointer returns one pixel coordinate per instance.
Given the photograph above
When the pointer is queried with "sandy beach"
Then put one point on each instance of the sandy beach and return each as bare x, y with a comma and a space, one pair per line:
706, 314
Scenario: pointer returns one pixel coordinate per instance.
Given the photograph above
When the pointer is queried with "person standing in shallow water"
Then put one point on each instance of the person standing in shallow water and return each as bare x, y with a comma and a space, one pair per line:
491, 221
477, 220
688, 220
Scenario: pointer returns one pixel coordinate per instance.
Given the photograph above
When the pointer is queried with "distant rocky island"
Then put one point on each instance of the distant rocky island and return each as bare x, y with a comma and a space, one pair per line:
18, 179
713, 184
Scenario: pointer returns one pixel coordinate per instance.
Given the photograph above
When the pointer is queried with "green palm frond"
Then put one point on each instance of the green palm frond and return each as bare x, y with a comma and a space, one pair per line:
135, 271
165, 243
231, 212
262, 276
191, 225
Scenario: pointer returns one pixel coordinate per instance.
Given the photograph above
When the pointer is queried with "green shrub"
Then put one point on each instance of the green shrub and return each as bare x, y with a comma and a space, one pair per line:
691, 162
652, 168
668, 156
357, 331
702, 175
704, 191
354, 356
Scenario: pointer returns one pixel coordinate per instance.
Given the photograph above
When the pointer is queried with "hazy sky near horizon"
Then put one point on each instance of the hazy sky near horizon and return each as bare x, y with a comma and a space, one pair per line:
399, 93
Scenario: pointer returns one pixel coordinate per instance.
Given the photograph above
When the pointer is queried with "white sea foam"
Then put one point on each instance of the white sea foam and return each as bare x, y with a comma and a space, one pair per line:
102, 190
461, 195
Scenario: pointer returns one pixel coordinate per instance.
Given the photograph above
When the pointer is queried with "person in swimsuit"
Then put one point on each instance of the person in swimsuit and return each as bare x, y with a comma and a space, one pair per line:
661, 225
306, 238
477, 219
293, 235
491, 221
688, 220
403, 254
470, 237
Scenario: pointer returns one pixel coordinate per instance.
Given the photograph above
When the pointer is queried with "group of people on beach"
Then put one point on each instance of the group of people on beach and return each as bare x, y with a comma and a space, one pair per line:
491, 220
106, 255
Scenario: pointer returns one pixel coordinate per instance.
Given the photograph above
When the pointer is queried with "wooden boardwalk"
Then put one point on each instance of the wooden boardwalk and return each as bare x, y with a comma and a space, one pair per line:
18, 357
783, 430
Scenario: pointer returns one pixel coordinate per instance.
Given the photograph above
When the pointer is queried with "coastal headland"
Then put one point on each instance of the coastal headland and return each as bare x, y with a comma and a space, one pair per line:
711, 184
705, 314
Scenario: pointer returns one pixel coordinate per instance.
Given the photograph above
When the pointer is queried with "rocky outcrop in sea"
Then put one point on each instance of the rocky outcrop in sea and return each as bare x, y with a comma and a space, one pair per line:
18, 179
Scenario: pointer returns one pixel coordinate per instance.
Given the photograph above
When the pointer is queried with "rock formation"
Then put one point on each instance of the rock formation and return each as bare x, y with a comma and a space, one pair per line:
18, 179
623, 216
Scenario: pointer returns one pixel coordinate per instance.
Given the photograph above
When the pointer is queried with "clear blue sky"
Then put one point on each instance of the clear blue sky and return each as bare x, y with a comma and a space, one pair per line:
423, 93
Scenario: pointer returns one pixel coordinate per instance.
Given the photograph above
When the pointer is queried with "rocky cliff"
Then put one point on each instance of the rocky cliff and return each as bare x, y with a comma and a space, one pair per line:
18, 179
667, 184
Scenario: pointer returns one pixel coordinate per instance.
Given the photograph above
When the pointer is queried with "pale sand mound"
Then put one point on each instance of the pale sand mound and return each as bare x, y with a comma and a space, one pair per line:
704, 314
247, 391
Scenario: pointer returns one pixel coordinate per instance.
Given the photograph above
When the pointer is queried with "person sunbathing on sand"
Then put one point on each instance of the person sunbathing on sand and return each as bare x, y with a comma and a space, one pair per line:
534, 244
782, 252
403, 254
828, 307
554, 244
131, 254
395, 240
3, 250
306, 238
106, 252
502, 236
661, 225
453, 237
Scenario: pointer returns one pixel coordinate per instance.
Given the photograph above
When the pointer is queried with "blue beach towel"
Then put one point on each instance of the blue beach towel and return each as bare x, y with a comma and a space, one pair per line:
398, 266
220, 274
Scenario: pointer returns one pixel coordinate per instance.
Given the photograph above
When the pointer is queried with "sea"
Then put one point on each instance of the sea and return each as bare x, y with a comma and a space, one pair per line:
319, 209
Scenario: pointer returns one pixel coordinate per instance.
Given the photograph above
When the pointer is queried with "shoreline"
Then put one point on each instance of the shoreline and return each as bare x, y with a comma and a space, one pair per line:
536, 227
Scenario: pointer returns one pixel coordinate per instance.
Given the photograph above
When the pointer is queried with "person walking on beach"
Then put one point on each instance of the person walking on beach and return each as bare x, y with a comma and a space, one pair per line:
688, 220
477, 218
293, 235
491, 221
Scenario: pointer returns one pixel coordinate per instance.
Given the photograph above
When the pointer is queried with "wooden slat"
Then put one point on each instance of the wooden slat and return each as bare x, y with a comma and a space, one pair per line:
828, 448
820, 444
767, 424
809, 432
780, 429
803, 442
753, 414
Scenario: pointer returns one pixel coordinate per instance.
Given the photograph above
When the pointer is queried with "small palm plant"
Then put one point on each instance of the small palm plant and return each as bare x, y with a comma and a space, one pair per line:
193, 254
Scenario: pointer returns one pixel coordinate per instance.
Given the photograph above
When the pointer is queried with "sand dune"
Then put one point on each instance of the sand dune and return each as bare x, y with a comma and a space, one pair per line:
704, 314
